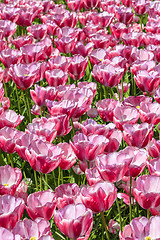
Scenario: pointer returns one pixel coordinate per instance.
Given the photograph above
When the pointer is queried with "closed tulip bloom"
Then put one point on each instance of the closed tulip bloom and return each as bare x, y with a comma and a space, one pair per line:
77, 67
66, 194
153, 148
83, 50
147, 191
11, 210
77, 225
56, 77
33, 53
138, 135
115, 140
60, 62
68, 159
43, 157
28, 229
41, 204
113, 166
99, 197
147, 81
10, 179
139, 161
154, 166
62, 124
65, 44
88, 147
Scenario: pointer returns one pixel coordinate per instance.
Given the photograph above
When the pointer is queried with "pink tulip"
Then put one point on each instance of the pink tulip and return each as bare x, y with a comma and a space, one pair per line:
123, 115
29, 229
83, 50
62, 124
10, 118
113, 166
10, 56
105, 109
124, 15
99, 197
22, 143
153, 148
93, 176
115, 140
26, 16
10, 13
65, 44
135, 101
7, 27
66, 194
150, 112
62, 107
154, 166
77, 225
43, 157
10, 178
75, 5
147, 81
147, 191
8, 137
97, 56
77, 67
11, 210
139, 161
33, 53
56, 77
118, 29
38, 31
141, 227
40, 94
20, 41
43, 127
25, 75
41, 204
6, 234
138, 135
93, 144
68, 159
113, 226
60, 62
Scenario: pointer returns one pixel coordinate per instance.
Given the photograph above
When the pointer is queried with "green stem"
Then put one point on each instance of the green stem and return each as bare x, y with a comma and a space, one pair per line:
5, 89
130, 198
40, 181
11, 160
28, 106
105, 225
113, 94
118, 93
36, 182
122, 88
148, 213
73, 130
46, 181
141, 22
54, 179
119, 211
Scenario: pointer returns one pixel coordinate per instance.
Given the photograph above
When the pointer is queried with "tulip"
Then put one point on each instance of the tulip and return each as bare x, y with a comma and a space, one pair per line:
147, 191
11, 210
43, 157
56, 77
77, 225
68, 159
113, 166
66, 194
43, 127
10, 178
93, 144
138, 135
10, 56
141, 228
77, 67
29, 229
150, 113
41, 204
38, 31
20, 41
9, 118
153, 148
6, 234
99, 197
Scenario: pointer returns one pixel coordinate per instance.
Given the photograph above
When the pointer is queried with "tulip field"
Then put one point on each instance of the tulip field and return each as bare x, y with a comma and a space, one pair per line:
79, 119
